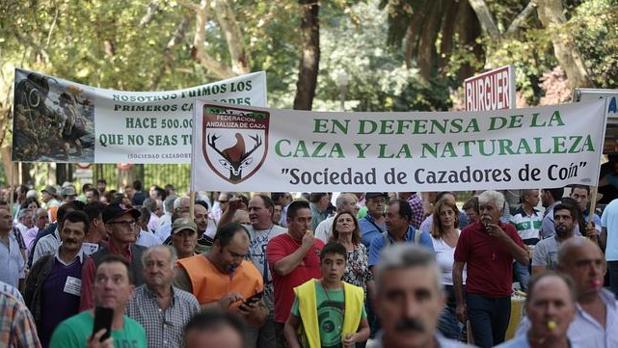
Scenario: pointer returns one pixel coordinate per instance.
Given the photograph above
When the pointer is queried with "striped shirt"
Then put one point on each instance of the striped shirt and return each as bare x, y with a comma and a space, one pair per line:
528, 226
163, 327
17, 327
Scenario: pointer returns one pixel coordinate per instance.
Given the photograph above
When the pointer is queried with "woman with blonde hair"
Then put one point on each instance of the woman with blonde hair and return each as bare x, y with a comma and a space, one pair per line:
444, 235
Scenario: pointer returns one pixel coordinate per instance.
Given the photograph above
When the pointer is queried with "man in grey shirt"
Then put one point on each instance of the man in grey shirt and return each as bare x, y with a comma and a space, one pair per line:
545, 256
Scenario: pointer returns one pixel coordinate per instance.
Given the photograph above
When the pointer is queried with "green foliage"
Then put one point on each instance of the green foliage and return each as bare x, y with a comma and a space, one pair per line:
594, 26
378, 80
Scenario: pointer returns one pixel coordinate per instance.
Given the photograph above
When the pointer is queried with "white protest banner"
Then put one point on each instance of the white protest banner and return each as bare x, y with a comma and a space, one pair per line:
491, 90
62, 121
611, 95
260, 149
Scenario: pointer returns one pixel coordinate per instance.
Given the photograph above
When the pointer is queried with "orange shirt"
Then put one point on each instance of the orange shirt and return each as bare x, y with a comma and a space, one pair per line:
210, 285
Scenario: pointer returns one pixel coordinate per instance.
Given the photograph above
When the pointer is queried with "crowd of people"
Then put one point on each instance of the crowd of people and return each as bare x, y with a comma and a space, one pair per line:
136, 268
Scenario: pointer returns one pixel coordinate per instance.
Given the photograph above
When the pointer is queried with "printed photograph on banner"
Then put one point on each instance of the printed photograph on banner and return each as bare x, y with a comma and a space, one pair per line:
52, 121
234, 141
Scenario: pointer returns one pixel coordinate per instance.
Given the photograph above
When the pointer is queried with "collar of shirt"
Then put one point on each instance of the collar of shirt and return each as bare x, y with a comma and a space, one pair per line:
57, 233
521, 211
125, 253
408, 236
80, 256
152, 295
609, 300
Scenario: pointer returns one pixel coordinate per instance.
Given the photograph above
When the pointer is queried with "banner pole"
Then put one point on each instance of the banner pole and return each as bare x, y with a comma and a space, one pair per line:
12, 185
192, 205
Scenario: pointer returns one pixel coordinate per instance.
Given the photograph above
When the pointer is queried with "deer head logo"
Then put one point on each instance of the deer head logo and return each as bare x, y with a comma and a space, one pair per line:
235, 158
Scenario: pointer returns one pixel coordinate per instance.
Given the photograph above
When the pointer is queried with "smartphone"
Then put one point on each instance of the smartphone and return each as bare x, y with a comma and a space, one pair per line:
103, 320
254, 298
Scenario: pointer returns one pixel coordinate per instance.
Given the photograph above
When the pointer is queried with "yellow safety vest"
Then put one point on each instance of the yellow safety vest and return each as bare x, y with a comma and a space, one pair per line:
354, 302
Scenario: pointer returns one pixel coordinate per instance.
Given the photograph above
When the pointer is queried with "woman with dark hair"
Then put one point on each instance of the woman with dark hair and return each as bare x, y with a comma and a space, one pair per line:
346, 232
444, 235
31, 203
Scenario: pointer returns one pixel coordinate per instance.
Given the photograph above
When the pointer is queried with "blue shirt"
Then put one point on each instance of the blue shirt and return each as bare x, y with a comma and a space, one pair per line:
370, 229
12, 262
381, 241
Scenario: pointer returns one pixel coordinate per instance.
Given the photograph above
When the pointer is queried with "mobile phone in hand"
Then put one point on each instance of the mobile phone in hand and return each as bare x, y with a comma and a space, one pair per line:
103, 320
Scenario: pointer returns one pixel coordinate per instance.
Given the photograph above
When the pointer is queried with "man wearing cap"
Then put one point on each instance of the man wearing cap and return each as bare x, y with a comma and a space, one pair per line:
374, 224
184, 237
68, 193
121, 227
48, 195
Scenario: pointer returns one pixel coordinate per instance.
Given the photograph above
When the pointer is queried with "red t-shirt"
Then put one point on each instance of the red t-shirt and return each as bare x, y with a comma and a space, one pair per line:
278, 248
489, 262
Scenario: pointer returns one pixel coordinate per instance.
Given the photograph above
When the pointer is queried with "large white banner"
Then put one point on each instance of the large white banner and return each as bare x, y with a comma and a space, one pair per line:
260, 149
63, 121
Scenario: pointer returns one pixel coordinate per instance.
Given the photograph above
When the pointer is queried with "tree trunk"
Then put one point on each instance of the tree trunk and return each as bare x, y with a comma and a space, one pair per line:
484, 15
427, 54
551, 14
310, 55
233, 36
468, 29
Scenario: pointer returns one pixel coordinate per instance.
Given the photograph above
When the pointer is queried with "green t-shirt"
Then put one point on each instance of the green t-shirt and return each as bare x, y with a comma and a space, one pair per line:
330, 315
75, 331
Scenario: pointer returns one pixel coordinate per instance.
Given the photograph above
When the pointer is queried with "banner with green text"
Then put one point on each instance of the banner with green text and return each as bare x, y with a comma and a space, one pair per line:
58, 120
260, 149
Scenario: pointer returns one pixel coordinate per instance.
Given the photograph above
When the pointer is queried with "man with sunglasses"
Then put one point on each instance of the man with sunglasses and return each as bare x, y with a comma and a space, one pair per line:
121, 227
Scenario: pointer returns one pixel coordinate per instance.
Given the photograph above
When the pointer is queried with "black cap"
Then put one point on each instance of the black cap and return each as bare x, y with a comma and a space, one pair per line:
370, 195
113, 211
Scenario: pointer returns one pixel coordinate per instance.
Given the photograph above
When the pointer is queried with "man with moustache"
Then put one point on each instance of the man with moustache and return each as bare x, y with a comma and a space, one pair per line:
409, 298
487, 248
596, 310
184, 237
545, 256
53, 285
550, 306
162, 309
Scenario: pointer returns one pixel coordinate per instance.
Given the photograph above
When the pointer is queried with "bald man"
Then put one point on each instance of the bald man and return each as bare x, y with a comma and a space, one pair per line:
596, 316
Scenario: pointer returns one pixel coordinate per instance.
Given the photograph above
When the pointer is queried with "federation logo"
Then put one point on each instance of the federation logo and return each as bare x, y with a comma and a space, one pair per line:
235, 141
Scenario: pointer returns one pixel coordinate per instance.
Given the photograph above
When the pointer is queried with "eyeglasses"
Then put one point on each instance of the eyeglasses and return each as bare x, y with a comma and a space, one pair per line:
124, 223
